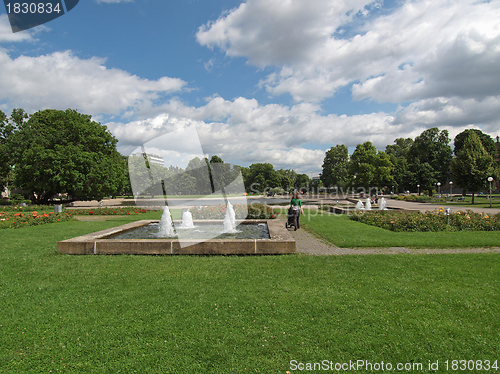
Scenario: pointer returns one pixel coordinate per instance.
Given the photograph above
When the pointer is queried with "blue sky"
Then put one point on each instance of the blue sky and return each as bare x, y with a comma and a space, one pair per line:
263, 80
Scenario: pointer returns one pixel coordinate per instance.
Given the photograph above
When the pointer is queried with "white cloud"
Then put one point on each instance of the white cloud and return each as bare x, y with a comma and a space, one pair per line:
6, 34
423, 49
61, 80
245, 132
242, 131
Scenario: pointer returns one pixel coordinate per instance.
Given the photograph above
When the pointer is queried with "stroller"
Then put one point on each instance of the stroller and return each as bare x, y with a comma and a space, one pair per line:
293, 217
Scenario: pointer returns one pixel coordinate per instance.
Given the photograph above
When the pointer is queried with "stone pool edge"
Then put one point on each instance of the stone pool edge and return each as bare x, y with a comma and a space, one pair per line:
96, 243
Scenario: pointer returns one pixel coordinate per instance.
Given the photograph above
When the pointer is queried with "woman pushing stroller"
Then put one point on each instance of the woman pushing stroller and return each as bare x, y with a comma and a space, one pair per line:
295, 211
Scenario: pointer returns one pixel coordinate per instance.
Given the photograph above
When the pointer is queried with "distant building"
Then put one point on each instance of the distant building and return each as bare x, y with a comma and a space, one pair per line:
152, 159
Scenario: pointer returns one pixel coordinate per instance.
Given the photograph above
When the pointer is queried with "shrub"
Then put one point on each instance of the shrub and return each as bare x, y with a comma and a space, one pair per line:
430, 221
34, 218
22, 216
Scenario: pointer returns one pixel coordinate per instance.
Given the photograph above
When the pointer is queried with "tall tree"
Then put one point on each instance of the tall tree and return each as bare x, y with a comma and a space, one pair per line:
398, 153
486, 140
473, 165
65, 152
369, 167
5, 156
335, 166
261, 177
430, 147
8, 126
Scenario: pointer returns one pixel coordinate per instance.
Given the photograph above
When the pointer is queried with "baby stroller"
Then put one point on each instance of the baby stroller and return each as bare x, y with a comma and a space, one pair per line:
293, 217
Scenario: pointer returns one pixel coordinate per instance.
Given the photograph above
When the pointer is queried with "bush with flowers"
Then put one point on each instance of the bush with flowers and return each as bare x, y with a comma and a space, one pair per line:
35, 215
430, 221
254, 211
106, 211
15, 219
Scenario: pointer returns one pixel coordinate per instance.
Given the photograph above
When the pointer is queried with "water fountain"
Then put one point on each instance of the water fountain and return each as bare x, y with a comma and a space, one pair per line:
359, 205
368, 204
253, 237
166, 227
383, 204
229, 219
187, 220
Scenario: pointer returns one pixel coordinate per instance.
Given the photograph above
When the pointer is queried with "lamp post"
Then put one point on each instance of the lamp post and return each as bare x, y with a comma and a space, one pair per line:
490, 179
418, 186
451, 190
439, 189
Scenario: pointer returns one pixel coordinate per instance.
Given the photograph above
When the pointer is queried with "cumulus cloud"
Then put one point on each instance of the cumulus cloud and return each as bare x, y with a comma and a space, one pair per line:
422, 49
6, 34
61, 80
242, 131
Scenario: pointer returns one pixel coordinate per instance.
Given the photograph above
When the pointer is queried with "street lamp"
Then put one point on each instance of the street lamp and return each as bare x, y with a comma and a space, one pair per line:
418, 186
490, 179
451, 189
439, 188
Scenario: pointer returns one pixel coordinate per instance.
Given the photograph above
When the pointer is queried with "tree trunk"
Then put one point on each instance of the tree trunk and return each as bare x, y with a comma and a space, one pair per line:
473, 198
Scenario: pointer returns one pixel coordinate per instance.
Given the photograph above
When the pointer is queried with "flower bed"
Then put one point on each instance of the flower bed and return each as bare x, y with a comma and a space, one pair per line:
430, 221
33, 218
106, 211
39, 215
219, 211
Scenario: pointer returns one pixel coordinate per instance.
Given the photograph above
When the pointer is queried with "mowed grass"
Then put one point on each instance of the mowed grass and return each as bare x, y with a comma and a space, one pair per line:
230, 314
343, 232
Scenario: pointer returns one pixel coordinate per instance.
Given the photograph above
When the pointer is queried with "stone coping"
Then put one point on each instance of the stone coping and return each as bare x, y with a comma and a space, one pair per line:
281, 242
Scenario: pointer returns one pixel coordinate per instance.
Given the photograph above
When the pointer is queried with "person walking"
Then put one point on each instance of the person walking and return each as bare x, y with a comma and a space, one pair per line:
296, 205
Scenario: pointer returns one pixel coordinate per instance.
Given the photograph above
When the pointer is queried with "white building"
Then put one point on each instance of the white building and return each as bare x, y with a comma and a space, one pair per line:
152, 159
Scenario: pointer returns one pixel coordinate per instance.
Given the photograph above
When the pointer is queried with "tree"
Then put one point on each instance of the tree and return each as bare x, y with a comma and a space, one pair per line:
486, 140
5, 156
335, 165
302, 182
8, 127
398, 154
473, 165
65, 152
432, 148
370, 168
261, 177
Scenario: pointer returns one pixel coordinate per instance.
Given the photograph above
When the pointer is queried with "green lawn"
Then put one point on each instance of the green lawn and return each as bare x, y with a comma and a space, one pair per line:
230, 314
341, 231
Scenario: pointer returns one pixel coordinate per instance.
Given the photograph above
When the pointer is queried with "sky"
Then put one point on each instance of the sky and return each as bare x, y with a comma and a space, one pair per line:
278, 81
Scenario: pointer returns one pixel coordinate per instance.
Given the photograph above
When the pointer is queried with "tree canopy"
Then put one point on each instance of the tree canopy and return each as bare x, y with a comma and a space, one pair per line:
65, 152
335, 166
429, 158
473, 164
486, 140
370, 167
